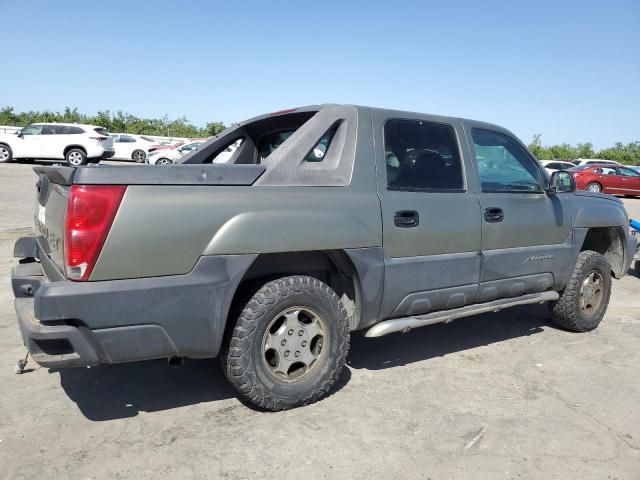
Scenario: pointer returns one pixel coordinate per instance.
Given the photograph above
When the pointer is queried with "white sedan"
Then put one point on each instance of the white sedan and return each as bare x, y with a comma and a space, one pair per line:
131, 147
556, 165
166, 157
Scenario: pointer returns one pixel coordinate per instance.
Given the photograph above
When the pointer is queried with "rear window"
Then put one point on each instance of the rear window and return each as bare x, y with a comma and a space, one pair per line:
75, 130
99, 130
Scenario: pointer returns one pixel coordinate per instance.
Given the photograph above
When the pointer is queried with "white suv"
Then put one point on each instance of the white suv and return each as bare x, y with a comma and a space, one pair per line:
77, 144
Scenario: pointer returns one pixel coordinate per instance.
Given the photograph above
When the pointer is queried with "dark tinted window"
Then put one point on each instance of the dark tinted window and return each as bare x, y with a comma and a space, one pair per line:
100, 130
47, 130
422, 156
75, 130
554, 165
127, 139
504, 166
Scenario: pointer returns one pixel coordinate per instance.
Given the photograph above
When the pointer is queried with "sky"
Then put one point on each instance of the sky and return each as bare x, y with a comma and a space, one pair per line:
569, 70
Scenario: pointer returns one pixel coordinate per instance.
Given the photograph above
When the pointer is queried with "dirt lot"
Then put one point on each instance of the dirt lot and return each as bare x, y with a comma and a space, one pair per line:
495, 396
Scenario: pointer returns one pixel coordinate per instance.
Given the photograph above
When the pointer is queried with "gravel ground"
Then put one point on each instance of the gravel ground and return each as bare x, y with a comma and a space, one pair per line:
505, 395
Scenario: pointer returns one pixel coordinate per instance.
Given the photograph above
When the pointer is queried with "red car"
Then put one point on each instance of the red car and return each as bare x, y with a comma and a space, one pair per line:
607, 178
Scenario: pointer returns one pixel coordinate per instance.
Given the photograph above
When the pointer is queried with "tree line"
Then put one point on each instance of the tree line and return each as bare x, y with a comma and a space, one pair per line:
119, 122
627, 154
122, 122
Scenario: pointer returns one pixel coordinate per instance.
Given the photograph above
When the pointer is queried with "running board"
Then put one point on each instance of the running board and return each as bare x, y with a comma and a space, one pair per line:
407, 323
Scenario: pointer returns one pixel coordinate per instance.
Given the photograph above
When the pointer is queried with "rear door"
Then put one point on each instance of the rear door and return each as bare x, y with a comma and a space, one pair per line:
525, 231
53, 140
430, 215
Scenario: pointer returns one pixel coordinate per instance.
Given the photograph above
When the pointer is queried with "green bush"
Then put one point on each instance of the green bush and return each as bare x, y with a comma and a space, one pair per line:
115, 122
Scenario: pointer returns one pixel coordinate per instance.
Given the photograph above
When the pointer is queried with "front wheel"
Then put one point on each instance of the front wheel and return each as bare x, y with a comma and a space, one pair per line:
288, 345
584, 300
594, 187
76, 157
138, 156
6, 155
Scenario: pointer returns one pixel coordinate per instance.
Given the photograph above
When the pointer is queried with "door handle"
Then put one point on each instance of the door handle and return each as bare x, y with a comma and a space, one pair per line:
406, 219
493, 214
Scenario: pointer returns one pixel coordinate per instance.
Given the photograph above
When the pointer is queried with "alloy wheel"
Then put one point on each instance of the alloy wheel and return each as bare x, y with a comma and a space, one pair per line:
591, 293
294, 343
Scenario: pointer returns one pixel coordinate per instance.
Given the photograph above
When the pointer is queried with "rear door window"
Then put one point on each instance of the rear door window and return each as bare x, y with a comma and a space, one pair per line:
422, 156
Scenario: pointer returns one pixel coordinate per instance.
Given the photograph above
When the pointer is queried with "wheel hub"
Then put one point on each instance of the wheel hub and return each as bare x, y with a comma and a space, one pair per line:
591, 293
4, 154
293, 343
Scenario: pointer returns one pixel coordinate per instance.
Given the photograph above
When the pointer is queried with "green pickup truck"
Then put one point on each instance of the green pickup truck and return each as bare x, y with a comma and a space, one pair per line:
325, 220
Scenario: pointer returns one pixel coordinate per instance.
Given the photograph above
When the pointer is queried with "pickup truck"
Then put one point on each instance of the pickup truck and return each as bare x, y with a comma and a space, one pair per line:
325, 220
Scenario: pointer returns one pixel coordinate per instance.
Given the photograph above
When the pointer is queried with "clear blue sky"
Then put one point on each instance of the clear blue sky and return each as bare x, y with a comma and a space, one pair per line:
569, 70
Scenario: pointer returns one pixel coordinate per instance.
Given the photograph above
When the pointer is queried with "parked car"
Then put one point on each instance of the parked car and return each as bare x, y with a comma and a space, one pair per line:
271, 259
171, 145
132, 147
166, 157
556, 165
74, 143
607, 178
592, 161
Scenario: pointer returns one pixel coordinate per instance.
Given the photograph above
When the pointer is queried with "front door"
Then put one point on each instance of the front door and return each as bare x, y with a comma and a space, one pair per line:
28, 144
526, 233
629, 181
430, 216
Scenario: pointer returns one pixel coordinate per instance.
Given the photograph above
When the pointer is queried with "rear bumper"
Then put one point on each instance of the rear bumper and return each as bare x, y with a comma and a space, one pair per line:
107, 154
67, 324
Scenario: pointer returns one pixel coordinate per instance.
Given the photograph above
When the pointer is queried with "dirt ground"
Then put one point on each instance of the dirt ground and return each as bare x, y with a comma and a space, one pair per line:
504, 395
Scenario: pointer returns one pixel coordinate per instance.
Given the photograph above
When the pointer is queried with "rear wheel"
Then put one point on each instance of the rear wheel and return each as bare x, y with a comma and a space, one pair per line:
6, 155
594, 187
76, 157
584, 300
138, 156
289, 344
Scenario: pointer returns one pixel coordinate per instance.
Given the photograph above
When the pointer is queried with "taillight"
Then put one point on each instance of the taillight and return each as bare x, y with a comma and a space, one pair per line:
90, 213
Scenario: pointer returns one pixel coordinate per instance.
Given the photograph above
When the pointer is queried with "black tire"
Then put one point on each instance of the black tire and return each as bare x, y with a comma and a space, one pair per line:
245, 360
6, 154
594, 187
76, 157
164, 161
567, 312
138, 156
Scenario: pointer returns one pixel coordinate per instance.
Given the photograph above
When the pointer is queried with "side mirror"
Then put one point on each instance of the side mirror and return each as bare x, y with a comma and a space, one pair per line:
20, 134
562, 182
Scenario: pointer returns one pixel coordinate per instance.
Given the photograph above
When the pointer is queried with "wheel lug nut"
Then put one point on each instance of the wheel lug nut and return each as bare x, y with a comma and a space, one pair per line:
304, 343
283, 343
297, 354
290, 332
286, 354
300, 333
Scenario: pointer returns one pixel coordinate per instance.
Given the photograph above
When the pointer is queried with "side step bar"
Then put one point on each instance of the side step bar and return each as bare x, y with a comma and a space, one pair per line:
407, 323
